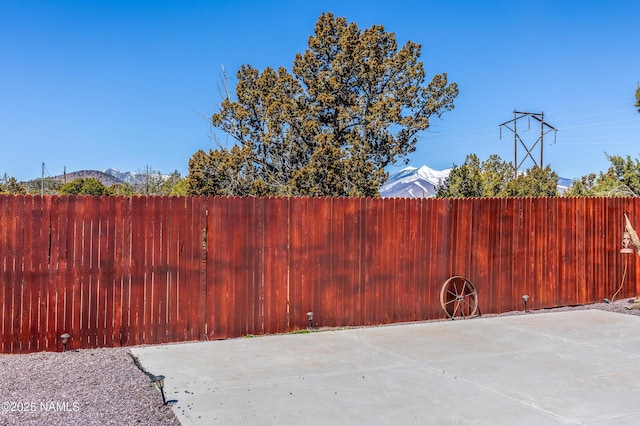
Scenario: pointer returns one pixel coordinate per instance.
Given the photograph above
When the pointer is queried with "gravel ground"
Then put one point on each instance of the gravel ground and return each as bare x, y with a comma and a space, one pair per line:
105, 387
620, 306
86, 387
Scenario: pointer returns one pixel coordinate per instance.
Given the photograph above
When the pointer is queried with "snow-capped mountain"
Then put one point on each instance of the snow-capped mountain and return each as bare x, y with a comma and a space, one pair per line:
412, 182
564, 184
131, 177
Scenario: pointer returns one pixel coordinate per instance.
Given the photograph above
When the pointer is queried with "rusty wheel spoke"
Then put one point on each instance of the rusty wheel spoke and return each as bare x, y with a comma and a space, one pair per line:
467, 303
453, 293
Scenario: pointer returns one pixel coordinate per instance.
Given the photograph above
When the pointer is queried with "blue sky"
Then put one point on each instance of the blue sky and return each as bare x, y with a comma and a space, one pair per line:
130, 84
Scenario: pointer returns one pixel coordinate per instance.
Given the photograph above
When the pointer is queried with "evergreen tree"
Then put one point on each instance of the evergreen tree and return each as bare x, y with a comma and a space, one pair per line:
125, 189
9, 185
464, 181
495, 178
621, 179
534, 182
85, 186
354, 104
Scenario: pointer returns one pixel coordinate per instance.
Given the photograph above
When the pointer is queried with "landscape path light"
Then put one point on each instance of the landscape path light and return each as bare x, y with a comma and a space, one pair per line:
159, 382
525, 297
310, 316
64, 338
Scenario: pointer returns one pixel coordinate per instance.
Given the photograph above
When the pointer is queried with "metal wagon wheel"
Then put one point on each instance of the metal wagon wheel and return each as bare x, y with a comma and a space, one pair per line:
459, 297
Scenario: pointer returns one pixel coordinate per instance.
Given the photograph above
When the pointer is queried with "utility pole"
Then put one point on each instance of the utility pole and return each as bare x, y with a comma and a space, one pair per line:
42, 181
544, 129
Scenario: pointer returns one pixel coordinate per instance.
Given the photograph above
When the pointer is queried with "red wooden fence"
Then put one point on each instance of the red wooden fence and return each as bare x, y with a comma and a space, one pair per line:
124, 271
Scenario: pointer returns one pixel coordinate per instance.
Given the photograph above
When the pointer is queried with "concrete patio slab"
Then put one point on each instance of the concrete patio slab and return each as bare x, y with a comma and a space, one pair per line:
578, 367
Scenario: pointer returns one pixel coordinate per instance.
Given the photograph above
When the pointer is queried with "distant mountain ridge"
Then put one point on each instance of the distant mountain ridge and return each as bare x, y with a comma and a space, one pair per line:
412, 182
131, 177
108, 177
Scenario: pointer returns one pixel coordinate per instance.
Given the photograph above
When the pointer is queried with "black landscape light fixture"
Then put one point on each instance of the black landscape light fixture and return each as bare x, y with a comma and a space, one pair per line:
64, 338
310, 316
159, 382
525, 297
